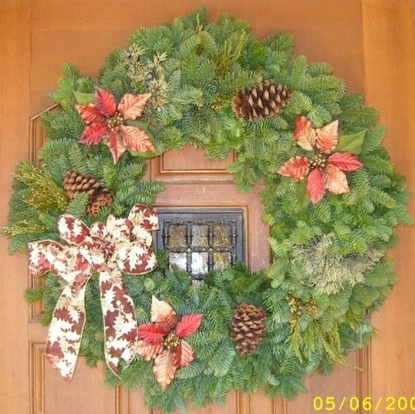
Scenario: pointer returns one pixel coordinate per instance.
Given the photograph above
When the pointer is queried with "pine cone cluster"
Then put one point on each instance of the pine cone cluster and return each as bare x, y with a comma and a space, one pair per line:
264, 100
99, 196
248, 328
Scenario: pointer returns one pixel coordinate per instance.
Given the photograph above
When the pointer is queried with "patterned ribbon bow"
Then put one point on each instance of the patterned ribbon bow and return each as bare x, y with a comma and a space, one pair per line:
120, 245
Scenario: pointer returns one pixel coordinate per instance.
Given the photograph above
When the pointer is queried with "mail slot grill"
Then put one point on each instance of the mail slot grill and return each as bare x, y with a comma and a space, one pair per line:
201, 240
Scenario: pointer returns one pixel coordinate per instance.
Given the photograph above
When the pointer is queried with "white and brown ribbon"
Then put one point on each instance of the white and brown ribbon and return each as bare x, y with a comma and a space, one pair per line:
111, 249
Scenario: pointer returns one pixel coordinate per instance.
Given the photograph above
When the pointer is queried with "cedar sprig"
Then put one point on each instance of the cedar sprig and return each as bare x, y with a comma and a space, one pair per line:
44, 194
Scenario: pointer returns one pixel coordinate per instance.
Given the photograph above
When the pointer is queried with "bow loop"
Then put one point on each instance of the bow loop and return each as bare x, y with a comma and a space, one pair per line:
72, 230
96, 253
65, 261
143, 218
135, 258
118, 229
98, 231
41, 256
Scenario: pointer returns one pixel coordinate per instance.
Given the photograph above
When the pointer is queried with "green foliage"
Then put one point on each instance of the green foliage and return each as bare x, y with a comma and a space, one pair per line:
328, 270
43, 193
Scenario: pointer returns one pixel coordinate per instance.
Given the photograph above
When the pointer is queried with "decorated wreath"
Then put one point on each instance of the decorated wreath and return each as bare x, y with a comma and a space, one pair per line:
85, 214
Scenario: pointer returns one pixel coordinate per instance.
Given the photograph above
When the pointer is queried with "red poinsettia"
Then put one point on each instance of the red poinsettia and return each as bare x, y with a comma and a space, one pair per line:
107, 120
324, 169
162, 340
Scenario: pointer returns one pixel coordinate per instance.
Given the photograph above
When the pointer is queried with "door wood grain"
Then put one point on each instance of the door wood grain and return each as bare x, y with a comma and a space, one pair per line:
370, 44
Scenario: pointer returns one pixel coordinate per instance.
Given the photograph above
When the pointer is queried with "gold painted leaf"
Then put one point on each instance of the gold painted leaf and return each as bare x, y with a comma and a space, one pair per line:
335, 180
149, 351
116, 149
304, 133
327, 137
296, 168
184, 354
136, 139
132, 106
163, 315
165, 368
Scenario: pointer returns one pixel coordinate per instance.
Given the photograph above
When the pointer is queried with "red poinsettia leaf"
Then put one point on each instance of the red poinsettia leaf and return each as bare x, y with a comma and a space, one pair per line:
165, 368
93, 134
116, 148
344, 161
296, 168
136, 139
315, 186
132, 106
327, 137
148, 351
163, 315
151, 333
184, 354
304, 133
188, 325
90, 113
335, 180
105, 102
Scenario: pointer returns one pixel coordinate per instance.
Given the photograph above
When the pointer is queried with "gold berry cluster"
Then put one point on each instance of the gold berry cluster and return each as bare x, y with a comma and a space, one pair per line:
171, 341
115, 121
298, 308
318, 160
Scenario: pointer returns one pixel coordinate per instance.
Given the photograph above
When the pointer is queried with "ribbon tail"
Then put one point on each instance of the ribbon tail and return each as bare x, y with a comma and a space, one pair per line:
120, 322
66, 328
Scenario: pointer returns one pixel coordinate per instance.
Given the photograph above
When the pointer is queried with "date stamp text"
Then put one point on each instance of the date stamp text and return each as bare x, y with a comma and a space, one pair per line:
375, 404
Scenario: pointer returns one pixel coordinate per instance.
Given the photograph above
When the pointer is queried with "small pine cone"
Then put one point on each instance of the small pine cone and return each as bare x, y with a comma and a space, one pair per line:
99, 196
248, 328
264, 100
75, 183
98, 200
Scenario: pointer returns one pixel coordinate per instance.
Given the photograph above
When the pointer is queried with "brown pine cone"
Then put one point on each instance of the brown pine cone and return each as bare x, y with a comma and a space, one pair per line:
248, 328
99, 200
98, 195
264, 100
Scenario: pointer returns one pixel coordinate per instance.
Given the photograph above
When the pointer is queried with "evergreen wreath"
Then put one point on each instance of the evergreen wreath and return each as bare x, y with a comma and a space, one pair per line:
331, 198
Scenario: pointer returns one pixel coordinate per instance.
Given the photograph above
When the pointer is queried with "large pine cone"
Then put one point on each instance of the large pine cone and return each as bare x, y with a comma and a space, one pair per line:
248, 328
264, 100
98, 195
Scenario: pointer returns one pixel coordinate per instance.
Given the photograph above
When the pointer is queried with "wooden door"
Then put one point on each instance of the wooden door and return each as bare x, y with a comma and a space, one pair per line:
369, 42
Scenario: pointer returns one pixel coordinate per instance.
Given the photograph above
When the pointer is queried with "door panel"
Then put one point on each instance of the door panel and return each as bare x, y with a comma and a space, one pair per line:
358, 37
